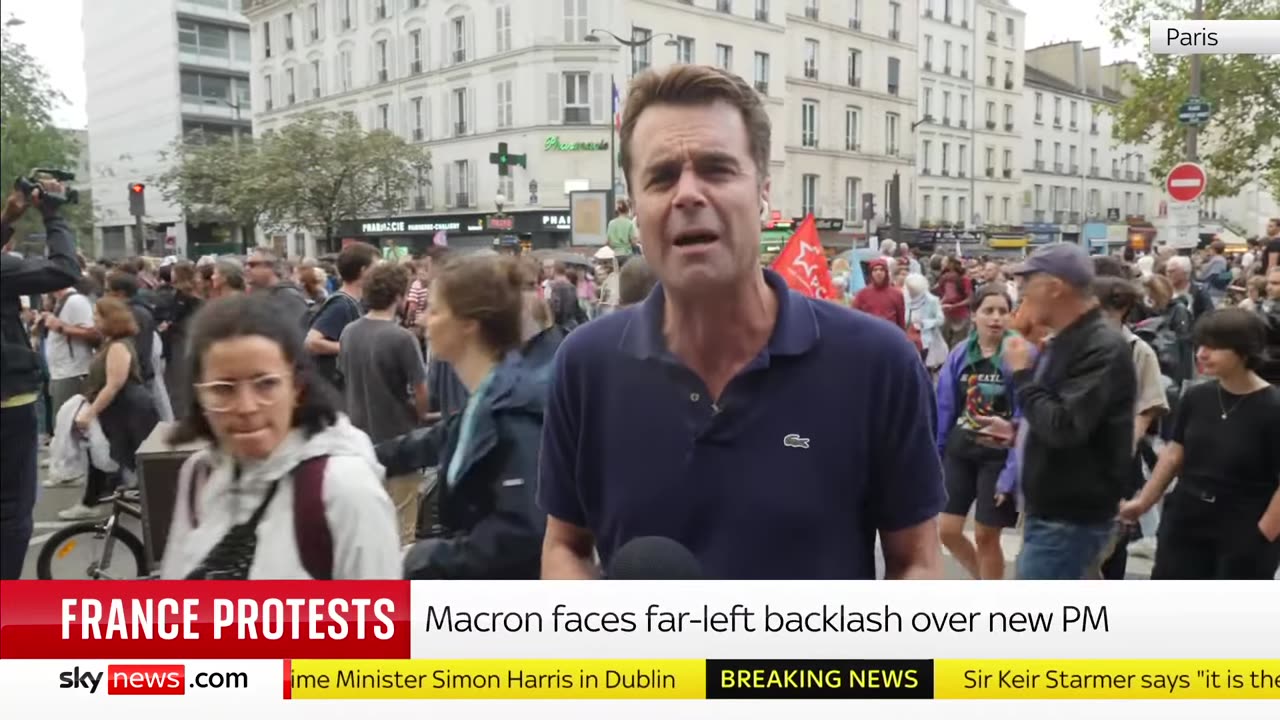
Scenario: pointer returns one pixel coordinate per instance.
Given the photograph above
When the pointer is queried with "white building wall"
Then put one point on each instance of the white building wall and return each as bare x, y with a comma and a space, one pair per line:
545, 45
946, 137
1122, 183
134, 100
1003, 89
542, 49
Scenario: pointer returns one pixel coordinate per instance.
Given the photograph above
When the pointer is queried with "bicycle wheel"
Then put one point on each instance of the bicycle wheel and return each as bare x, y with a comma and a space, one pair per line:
91, 534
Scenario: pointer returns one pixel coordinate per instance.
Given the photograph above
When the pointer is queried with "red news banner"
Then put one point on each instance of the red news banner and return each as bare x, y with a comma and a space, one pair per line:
96, 620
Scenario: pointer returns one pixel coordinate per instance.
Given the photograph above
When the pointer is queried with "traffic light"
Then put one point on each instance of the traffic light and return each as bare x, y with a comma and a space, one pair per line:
137, 199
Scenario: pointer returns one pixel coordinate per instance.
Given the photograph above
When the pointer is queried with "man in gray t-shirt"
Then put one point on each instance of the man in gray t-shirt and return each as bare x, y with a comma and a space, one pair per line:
385, 378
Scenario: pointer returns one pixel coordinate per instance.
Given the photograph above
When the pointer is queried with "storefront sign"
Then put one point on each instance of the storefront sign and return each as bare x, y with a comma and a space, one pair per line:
401, 226
1042, 233
938, 237
823, 224
554, 143
1006, 242
558, 222
503, 222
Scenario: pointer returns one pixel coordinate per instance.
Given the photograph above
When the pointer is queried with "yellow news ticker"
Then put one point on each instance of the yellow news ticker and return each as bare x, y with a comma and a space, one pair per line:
666, 679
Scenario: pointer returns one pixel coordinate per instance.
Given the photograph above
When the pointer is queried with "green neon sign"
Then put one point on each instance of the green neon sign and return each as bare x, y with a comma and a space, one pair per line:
553, 143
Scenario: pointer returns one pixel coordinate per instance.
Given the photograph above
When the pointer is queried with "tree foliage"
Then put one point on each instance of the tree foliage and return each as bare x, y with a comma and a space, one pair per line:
327, 170
317, 172
28, 138
217, 179
1242, 140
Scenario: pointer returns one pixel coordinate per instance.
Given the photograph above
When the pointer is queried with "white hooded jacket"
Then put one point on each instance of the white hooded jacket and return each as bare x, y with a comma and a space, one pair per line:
361, 517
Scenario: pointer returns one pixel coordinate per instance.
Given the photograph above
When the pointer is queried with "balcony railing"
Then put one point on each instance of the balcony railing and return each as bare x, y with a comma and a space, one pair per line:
991, 124
946, 172
1142, 176
288, 43
459, 128
1093, 171
577, 116
1059, 216
991, 81
382, 76
893, 89
811, 12
964, 73
1008, 173
1115, 174
1075, 169
946, 69
415, 67
855, 24
1038, 216
418, 134
1128, 175
419, 202
1008, 127
1057, 167
1008, 83
926, 171
1039, 165
928, 66
762, 15
1093, 129
991, 36
964, 123
1057, 122
991, 172
462, 200
762, 87
928, 12
811, 72
962, 173
292, 98
1073, 217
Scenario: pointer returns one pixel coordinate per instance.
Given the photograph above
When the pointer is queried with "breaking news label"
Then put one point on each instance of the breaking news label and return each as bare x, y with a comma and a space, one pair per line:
746, 649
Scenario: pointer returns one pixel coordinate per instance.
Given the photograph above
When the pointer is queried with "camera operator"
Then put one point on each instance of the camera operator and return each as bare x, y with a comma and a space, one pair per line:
20, 373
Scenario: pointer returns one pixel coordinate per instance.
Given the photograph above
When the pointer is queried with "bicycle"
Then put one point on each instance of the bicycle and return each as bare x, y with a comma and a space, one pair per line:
123, 502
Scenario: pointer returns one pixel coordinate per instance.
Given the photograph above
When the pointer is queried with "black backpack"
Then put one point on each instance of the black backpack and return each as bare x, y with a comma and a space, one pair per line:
1168, 334
327, 365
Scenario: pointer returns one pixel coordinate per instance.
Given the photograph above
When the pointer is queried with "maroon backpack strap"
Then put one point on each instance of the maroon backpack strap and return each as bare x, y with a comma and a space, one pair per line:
310, 525
199, 475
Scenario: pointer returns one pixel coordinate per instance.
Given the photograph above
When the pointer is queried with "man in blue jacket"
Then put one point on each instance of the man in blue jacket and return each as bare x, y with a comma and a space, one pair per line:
20, 374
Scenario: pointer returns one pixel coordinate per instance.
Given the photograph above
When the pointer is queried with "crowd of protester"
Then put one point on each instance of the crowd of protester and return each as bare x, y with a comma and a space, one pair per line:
469, 415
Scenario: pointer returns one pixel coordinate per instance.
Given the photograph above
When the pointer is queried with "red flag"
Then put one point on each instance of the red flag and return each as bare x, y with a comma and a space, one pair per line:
803, 264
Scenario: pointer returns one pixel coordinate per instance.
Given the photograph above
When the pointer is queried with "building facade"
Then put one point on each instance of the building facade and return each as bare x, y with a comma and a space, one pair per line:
839, 85
183, 68
1079, 184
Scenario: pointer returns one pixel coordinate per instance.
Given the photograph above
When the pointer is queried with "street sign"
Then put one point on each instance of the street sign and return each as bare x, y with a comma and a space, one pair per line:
1195, 111
1186, 182
1184, 224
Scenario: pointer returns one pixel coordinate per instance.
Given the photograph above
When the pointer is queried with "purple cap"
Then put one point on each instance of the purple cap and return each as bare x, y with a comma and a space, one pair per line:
1065, 261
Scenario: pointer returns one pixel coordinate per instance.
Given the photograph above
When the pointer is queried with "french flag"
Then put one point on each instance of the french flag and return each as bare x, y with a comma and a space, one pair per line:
617, 106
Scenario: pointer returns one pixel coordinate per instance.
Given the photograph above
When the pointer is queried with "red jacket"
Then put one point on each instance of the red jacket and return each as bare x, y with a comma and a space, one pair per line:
882, 300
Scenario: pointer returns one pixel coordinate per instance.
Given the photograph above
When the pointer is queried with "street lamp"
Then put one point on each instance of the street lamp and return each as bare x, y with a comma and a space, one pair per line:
499, 200
594, 37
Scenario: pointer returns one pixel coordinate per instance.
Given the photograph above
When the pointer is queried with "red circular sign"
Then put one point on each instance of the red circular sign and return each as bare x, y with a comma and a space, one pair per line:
1186, 182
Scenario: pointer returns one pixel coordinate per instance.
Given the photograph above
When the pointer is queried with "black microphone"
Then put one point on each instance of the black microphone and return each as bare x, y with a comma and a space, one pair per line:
654, 558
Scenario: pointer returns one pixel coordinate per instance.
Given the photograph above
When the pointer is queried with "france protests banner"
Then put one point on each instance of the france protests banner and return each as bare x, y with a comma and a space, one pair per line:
637, 649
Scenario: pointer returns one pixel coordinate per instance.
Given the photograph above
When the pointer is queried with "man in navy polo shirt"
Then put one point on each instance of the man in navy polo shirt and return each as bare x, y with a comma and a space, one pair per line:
772, 435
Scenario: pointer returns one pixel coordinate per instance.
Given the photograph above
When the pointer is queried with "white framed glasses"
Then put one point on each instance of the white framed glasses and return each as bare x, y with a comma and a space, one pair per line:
222, 395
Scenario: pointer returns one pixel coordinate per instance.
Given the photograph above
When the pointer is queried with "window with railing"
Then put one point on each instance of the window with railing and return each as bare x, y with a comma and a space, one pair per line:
577, 100
380, 59
811, 59
808, 194
502, 28
892, 122
288, 31
458, 39
724, 6
852, 129
575, 20
811, 9
415, 52
926, 155
416, 116
762, 72
684, 50
505, 104
809, 123
854, 68
724, 57
460, 114
852, 199
640, 51
762, 10
315, 79
289, 84
266, 39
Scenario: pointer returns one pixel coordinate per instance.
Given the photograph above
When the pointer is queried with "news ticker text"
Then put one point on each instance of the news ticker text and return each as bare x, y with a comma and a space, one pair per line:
656, 679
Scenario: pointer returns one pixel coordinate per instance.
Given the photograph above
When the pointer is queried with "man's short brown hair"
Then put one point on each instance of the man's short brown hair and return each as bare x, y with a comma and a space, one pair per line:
386, 284
697, 85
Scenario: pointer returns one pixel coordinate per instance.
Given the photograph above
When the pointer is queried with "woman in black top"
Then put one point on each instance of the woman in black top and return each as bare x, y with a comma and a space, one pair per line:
1222, 520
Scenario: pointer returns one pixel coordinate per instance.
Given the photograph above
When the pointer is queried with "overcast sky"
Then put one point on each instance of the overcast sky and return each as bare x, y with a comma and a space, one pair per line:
52, 33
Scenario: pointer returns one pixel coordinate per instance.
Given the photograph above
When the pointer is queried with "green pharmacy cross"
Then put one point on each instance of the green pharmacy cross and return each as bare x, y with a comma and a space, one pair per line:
504, 160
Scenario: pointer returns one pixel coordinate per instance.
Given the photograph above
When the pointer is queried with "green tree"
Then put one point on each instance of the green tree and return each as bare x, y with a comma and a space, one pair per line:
322, 170
217, 180
28, 138
1239, 143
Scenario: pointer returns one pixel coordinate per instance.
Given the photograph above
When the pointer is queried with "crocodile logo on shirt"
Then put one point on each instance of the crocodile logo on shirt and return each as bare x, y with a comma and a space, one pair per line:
795, 441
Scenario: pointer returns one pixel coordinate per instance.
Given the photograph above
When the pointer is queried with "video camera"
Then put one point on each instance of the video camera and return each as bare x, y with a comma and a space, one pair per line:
31, 182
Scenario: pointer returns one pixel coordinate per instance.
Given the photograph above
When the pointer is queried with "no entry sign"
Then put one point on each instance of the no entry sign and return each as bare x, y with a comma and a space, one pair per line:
1186, 182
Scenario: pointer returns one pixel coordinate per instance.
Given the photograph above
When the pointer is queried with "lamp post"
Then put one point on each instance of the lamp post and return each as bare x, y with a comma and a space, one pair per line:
594, 37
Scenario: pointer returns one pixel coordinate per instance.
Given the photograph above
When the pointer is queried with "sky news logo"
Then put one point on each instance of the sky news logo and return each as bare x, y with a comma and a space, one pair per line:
148, 680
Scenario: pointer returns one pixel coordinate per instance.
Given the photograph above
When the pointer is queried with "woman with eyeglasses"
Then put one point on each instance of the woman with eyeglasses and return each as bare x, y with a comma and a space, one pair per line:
488, 523
288, 488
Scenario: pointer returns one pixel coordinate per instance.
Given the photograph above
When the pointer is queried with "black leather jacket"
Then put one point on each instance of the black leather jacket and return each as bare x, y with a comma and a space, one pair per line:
1077, 462
19, 365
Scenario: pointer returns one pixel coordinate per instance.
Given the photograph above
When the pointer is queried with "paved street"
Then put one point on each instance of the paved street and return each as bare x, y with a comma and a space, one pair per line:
54, 499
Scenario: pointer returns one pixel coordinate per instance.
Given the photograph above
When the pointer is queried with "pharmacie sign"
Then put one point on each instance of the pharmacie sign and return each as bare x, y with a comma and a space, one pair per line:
554, 143
402, 226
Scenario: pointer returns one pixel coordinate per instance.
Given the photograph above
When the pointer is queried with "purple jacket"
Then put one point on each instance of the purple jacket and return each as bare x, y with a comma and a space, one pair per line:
948, 413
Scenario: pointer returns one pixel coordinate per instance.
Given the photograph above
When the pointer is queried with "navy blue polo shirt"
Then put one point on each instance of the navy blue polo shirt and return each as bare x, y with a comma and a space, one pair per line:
824, 438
